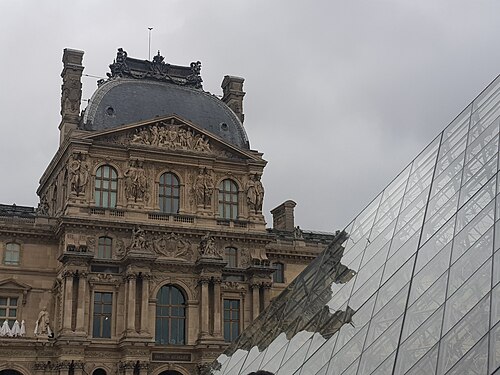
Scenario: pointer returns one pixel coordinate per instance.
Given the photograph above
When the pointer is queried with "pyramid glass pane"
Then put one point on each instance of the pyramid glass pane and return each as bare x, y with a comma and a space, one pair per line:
411, 285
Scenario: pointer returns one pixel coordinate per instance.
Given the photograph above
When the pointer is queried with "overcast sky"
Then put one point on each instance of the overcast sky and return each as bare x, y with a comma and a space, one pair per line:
341, 95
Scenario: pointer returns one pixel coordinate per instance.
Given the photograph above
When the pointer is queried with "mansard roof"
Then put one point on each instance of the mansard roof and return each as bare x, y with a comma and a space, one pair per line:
138, 90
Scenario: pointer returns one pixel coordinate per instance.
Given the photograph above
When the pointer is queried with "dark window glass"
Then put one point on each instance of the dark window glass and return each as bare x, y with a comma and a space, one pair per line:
103, 307
170, 316
169, 193
232, 257
231, 319
106, 187
279, 274
228, 200
104, 247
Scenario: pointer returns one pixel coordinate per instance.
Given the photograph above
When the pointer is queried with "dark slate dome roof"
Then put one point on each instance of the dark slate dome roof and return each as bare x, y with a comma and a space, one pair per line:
120, 101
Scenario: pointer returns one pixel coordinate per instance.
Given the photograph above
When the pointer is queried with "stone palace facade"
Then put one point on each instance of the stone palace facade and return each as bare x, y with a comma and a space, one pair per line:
148, 252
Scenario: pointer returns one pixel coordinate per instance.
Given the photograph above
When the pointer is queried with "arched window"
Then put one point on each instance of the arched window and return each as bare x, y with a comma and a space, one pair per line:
228, 200
169, 193
106, 187
279, 274
12, 254
104, 246
231, 257
170, 316
99, 371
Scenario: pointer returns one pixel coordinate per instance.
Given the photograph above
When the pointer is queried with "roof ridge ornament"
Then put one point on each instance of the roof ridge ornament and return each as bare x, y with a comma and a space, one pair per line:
127, 67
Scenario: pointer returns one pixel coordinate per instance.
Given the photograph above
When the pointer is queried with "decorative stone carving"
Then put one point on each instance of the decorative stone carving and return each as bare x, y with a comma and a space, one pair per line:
71, 95
123, 66
173, 137
233, 285
136, 182
119, 68
43, 206
255, 193
245, 260
120, 248
138, 238
78, 170
208, 248
91, 244
173, 246
203, 188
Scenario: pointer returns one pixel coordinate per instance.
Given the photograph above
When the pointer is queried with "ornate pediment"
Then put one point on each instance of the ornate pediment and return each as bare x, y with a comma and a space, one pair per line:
170, 134
16, 288
14, 285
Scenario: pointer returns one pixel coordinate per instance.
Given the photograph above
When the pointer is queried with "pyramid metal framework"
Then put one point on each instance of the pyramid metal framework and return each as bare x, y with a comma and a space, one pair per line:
411, 286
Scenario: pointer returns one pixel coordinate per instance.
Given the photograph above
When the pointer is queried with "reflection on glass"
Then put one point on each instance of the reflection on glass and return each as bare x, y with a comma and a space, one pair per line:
412, 286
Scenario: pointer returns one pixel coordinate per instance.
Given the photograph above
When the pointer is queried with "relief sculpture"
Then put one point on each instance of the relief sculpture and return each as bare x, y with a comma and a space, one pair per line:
173, 246
172, 137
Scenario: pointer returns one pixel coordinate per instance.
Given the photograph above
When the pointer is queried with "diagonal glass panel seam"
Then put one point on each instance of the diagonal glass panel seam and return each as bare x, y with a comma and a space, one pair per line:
479, 155
466, 316
481, 141
416, 258
472, 200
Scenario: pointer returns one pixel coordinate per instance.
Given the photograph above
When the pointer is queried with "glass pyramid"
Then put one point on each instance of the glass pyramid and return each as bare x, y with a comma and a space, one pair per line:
411, 285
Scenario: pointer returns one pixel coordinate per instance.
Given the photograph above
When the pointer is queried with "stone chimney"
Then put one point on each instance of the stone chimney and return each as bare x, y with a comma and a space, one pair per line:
232, 89
283, 218
71, 94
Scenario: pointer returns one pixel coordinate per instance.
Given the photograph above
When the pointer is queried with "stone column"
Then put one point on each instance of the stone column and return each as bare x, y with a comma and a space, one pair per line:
145, 305
80, 312
204, 307
131, 278
255, 301
68, 300
217, 308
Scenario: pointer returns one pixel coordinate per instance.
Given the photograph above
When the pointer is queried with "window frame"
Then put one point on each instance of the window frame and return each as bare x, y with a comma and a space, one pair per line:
163, 338
8, 307
9, 250
280, 271
106, 197
230, 322
231, 254
100, 317
169, 193
104, 248
228, 199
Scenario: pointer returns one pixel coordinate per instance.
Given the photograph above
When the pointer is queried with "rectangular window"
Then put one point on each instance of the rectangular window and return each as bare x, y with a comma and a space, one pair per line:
12, 252
231, 319
8, 310
103, 307
104, 247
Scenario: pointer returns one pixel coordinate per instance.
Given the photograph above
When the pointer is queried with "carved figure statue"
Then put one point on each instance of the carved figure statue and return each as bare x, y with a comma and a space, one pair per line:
135, 181
42, 323
259, 194
78, 174
207, 246
138, 238
203, 188
251, 194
